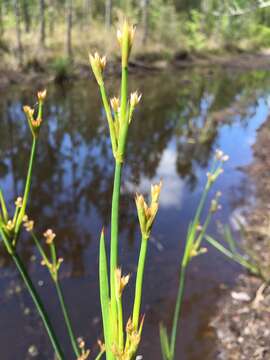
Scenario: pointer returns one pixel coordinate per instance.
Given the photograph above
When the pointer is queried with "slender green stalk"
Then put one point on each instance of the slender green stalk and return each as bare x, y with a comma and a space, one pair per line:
109, 117
139, 282
67, 319
27, 189
233, 256
39, 305
3, 207
100, 355
114, 240
59, 292
104, 294
39, 247
177, 310
120, 323
124, 81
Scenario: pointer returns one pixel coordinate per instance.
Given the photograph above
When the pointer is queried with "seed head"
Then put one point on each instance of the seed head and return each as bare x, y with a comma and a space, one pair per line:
219, 154
18, 202
33, 124
147, 214
29, 112
155, 191
49, 236
9, 225
125, 38
84, 353
115, 104
130, 30
42, 95
28, 225
121, 282
98, 65
101, 345
135, 99
214, 205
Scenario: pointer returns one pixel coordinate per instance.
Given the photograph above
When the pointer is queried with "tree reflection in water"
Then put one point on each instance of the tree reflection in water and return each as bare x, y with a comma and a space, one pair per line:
73, 175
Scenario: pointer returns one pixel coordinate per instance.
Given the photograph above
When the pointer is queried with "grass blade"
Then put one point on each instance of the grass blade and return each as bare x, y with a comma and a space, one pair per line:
104, 288
3, 207
164, 341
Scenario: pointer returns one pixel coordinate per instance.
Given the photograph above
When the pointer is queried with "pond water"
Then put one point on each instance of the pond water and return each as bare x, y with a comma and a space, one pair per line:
183, 118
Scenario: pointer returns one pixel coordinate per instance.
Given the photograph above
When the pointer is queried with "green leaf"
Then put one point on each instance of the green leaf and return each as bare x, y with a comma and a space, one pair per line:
230, 240
219, 247
104, 287
164, 342
3, 207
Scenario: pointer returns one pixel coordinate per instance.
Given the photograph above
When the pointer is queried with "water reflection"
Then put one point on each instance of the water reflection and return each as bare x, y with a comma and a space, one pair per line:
174, 133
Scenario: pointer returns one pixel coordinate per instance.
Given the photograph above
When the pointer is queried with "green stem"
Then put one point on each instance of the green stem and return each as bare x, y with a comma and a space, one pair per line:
124, 82
177, 310
3, 207
109, 117
120, 324
39, 247
38, 303
27, 188
139, 282
67, 319
59, 293
100, 355
114, 237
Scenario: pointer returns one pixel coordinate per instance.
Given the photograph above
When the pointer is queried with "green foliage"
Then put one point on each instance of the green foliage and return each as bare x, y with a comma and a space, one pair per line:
196, 39
260, 35
164, 21
61, 68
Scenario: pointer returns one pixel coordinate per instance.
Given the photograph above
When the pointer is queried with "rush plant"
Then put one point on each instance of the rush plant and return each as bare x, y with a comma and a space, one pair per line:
10, 226
121, 343
195, 234
10, 229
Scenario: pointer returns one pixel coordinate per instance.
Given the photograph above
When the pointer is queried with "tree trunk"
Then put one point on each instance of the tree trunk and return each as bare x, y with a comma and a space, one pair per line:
26, 16
19, 49
145, 22
51, 16
88, 11
108, 13
42, 23
1, 19
69, 29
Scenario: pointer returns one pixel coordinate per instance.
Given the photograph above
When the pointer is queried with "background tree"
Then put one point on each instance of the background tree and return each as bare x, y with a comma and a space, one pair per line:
19, 49
42, 22
69, 11
108, 13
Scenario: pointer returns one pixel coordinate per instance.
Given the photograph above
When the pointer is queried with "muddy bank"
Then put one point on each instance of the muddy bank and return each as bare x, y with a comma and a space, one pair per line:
38, 72
242, 322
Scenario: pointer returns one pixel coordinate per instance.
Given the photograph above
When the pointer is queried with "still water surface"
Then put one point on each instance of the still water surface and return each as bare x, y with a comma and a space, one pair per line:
182, 119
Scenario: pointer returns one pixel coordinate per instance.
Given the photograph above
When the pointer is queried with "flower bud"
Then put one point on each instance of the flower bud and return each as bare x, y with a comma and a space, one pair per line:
135, 99
42, 95
49, 236
115, 104
98, 65
147, 214
125, 38
120, 282
28, 225
19, 202
10, 225
33, 124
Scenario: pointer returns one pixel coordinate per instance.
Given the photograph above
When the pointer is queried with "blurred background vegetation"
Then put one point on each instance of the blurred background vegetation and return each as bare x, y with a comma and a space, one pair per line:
57, 33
